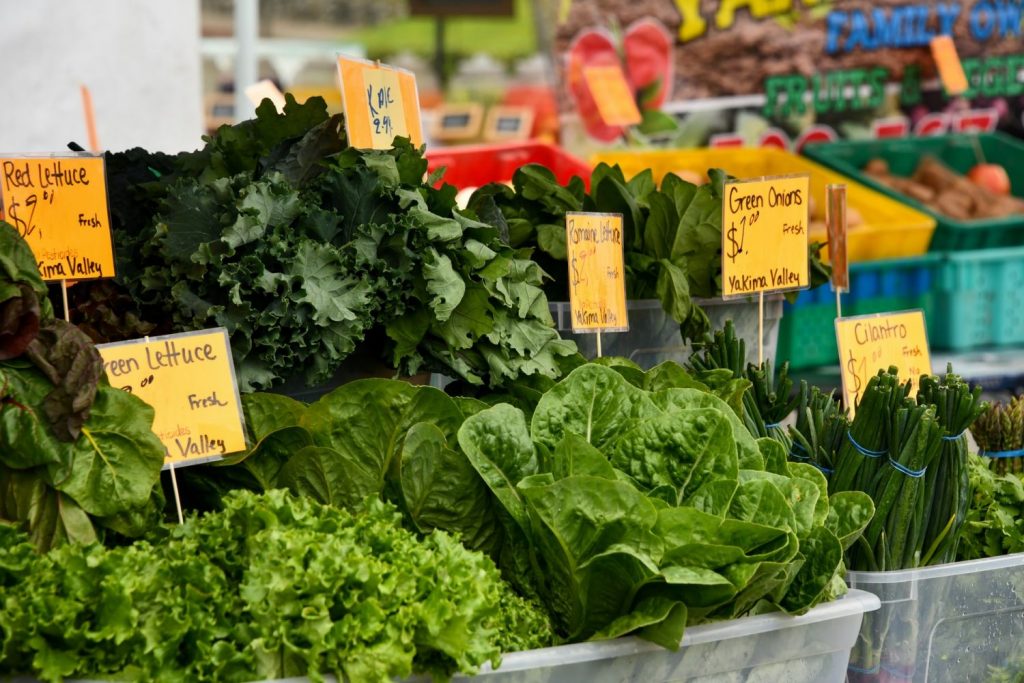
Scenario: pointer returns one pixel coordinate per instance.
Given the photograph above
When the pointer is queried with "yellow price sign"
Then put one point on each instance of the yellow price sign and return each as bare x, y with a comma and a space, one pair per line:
189, 379
59, 206
869, 343
764, 235
380, 103
614, 99
948, 64
597, 282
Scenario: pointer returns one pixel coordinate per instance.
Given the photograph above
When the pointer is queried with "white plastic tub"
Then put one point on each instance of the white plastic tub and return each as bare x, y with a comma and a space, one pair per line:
812, 648
654, 337
955, 622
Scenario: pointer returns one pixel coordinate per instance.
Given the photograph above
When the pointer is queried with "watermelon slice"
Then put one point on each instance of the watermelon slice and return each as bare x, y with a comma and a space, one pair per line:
592, 47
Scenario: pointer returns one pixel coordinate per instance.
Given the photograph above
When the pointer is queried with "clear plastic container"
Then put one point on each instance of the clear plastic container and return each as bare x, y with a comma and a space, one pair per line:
954, 622
654, 337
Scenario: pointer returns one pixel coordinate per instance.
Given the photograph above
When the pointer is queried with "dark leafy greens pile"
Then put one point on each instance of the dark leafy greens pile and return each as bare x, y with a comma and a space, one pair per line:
306, 251
78, 458
672, 233
271, 586
622, 506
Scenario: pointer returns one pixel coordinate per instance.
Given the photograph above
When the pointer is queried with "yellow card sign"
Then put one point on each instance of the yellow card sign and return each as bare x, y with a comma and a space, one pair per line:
869, 343
59, 205
614, 99
948, 64
189, 380
764, 235
597, 283
380, 104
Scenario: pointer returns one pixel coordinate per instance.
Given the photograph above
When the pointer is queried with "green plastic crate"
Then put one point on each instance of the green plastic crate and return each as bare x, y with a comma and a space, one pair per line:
956, 151
979, 300
807, 336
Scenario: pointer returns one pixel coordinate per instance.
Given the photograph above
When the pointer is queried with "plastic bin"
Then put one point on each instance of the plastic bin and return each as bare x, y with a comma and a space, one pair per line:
956, 151
471, 166
954, 622
979, 300
890, 229
807, 335
654, 337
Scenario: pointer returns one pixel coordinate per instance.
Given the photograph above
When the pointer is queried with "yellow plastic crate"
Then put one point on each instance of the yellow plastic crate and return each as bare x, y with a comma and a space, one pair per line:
888, 229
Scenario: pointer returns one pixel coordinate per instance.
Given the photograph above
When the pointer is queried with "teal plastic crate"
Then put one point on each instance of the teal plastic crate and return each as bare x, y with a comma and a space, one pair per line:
959, 152
979, 300
807, 336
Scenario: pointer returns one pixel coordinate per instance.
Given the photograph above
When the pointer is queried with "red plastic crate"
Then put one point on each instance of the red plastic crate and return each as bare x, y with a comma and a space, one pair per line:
477, 165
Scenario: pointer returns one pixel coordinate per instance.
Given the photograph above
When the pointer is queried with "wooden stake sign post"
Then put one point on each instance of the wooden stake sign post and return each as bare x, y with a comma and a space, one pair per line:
597, 282
835, 219
189, 379
58, 204
868, 343
764, 239
380, 103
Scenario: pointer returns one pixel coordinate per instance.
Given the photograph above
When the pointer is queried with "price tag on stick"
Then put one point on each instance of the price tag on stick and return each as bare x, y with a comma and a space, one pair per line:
764, 239
869, 343
189, 379
614, 99
948, 64
597, 283
380, 103
59, 205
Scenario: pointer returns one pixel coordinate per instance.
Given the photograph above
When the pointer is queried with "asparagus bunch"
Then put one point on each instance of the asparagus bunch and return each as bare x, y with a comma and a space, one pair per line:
1001, 430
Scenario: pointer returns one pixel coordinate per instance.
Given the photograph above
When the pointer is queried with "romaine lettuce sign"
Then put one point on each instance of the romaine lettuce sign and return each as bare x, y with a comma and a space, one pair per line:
597, 283
764, 235
189, 379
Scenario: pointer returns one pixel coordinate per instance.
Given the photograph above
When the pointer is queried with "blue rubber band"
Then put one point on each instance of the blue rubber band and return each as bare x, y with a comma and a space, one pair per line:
864, 451
798, 457
899, 674
916, 474
823, 469
773, 425
1003, 454
954, 438
796, 444
857, 670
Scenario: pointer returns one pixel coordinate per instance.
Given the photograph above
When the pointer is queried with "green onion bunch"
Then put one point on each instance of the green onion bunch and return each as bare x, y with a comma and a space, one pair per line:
770, 399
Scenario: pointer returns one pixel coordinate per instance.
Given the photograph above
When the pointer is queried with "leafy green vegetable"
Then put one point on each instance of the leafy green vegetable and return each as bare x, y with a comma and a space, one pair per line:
672, 233
23, 302
308, 252
270, 587
619, 508
78, 458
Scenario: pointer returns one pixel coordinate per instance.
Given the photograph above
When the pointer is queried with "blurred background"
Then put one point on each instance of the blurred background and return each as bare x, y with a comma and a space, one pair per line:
160, 74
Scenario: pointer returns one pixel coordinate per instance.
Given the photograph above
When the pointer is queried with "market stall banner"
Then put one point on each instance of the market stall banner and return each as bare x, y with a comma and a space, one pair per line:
58, 204
189, 379
788, 72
